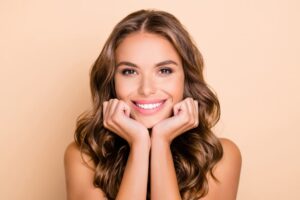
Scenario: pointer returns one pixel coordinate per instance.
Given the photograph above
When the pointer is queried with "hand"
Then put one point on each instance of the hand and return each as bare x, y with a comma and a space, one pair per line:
116, 117
185, 118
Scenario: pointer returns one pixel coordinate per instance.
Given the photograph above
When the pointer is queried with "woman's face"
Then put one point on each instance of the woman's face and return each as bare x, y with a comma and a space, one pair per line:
149, 77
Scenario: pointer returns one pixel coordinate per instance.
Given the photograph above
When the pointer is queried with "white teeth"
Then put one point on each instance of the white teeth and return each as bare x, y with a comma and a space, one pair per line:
148, 106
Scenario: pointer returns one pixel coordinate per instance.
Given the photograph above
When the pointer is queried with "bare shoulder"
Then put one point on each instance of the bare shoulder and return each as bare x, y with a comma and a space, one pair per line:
230, 164
231, 150
227, 171
73, 155
79, 174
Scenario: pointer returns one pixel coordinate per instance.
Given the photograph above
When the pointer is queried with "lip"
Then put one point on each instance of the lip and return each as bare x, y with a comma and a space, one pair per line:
148, 111
149, 101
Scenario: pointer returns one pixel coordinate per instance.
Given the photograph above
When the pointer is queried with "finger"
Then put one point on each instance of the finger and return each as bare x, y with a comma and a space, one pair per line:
120, 110
190, 111
196, 113
116, 113
108, 114
104, 107
177, 108
113, 105
196, 108
190, 106
185, 110
123, 125
110, 110
105, 111
124, 108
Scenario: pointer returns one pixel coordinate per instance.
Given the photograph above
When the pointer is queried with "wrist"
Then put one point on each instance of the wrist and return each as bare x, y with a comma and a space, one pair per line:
158, 136
160, 139
143, 141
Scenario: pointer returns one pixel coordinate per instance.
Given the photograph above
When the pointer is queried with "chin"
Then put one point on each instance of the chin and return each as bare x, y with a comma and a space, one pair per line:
151, 120
148, 123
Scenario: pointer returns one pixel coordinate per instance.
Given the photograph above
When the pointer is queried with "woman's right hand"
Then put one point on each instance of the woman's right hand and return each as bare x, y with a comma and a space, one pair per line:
116, 118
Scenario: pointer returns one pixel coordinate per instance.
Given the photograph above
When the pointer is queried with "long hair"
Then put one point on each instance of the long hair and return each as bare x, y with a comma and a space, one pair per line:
195, 152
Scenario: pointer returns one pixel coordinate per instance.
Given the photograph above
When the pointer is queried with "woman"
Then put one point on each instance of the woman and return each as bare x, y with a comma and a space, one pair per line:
149, 133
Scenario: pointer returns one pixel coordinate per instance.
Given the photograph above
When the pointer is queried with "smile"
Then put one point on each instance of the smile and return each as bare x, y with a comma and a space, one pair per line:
148, 107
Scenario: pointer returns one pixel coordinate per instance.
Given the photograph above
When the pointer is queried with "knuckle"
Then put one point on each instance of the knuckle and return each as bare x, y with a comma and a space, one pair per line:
105, 124
197, 121
186, 119
122, 103
196, 124
189, 99
114, 119
109, 122
192, 122
110, 101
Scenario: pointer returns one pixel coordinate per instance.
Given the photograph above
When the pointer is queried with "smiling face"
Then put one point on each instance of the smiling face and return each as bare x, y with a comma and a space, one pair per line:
149, 77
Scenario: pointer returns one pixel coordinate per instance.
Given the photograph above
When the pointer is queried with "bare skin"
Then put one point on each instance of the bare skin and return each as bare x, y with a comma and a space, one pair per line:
163, 177
149, 83
116, 119
79, 177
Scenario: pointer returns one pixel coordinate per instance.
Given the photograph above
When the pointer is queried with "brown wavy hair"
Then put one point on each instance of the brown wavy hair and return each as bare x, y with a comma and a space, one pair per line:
195, 152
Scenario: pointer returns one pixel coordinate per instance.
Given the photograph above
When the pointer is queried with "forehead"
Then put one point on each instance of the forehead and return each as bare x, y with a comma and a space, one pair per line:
146, 48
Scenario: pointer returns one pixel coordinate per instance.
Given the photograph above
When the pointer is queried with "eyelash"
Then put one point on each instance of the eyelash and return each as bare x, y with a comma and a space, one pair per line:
164, 70
128, 71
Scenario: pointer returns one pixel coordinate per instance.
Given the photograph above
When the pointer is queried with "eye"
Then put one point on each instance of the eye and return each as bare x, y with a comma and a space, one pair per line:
166, 70
128, 71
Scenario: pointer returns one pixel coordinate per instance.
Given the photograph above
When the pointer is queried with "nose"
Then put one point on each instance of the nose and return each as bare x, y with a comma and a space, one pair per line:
147, 86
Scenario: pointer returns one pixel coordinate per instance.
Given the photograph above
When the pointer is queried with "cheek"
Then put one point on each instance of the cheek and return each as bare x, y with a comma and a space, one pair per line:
124, 89
120, 91
119, 88
175, 89
178, 93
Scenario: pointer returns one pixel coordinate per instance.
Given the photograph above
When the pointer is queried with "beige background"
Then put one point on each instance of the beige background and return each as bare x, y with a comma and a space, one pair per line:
251, 49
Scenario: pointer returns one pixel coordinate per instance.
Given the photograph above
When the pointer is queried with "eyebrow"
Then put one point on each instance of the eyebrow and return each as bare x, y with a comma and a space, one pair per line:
166, 62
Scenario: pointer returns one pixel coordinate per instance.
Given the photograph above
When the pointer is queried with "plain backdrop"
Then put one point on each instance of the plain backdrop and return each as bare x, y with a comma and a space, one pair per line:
251, 52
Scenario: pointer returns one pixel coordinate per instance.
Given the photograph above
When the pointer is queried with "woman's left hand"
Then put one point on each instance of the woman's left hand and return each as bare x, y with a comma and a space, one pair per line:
185, 118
